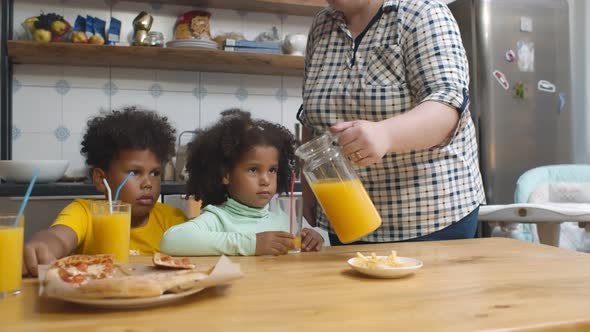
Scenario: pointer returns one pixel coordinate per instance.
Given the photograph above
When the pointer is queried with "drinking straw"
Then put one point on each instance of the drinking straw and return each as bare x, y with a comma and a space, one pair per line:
291, 205
109, 195
121, 185
27, 195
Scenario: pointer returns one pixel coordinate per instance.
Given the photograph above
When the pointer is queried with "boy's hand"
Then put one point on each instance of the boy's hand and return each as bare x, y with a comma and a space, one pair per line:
273, 243
35, 253
311, 240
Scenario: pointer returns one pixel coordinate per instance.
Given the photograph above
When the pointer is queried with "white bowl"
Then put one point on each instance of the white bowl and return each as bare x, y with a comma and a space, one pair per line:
21, 171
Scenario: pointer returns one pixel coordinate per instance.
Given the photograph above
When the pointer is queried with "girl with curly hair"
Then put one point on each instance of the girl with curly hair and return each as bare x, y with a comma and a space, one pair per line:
235, 167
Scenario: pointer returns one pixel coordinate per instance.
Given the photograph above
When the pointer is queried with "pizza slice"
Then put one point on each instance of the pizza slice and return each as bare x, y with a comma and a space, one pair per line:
71, 272
164, 260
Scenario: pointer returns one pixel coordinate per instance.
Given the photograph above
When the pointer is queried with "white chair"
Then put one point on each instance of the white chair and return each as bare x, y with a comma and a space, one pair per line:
547, 197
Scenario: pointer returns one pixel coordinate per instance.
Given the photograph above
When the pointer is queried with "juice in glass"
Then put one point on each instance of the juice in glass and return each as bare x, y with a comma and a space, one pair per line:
111, 231
11, 255
291, 207
348, 207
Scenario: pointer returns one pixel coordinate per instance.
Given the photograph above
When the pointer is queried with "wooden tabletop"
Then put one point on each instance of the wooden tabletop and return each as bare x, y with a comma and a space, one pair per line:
466, 285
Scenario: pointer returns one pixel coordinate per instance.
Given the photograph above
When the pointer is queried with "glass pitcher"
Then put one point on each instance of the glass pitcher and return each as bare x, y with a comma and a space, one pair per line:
338, 189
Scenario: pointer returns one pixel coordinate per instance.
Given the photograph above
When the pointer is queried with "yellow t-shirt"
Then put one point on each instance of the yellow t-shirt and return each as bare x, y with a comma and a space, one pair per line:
145, 240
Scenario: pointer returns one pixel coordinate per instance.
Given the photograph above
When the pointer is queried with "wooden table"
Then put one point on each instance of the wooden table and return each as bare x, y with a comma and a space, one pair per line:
467, 285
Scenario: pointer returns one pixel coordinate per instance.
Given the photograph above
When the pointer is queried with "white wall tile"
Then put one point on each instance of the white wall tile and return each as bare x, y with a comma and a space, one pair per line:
256, 23
176, 80
27, 147
213, 105
38, 75
37, 109
133, 78
71, 151
293, 85
261, 84
181, 108
290, 108
86, 77
225, 21
220, 82
263, 107
79, 105
296, 24
126, 98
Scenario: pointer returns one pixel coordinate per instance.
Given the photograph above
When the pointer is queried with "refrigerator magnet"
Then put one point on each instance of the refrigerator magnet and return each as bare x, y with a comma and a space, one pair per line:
561, 103
510, 56
526, 56
519, 90
546, 86
526, 24
501, 79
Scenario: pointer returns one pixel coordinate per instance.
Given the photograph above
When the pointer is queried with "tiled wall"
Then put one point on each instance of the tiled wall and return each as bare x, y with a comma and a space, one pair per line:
51, 104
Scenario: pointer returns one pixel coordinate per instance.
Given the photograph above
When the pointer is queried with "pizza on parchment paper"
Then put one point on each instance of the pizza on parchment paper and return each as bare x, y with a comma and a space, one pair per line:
96, 276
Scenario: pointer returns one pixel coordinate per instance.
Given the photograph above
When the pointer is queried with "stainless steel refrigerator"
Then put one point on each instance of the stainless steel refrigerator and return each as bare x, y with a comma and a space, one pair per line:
519, 86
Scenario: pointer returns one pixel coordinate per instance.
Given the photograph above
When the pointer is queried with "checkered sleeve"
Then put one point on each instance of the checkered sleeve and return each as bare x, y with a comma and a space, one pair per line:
436, 61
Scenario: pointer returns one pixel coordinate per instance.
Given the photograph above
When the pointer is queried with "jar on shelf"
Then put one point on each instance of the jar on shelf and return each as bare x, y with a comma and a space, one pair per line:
155, 38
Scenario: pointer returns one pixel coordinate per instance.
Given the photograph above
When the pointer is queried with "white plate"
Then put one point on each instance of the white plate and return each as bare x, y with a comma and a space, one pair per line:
392, 272
192, 43
133, 303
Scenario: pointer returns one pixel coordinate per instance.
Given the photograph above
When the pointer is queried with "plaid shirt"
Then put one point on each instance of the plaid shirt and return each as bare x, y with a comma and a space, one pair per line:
411, 54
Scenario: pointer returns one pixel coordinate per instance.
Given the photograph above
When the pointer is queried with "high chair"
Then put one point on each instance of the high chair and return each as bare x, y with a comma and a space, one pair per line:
546, 196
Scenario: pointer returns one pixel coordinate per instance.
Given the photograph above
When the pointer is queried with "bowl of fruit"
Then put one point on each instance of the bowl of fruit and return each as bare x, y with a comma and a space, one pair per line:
47, 28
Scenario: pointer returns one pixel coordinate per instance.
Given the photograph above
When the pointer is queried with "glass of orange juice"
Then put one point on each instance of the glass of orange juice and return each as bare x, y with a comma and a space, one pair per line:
291, 207
11, 254
111, 229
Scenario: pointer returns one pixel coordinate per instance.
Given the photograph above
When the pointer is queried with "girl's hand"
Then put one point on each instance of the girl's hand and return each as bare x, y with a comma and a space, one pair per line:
311, 240
273, 243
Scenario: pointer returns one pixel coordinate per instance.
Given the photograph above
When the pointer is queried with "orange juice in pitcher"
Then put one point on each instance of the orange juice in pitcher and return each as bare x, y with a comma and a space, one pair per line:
338, 189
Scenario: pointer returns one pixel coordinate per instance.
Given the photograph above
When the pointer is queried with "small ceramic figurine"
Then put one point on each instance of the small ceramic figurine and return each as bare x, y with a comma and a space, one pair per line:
295, 44
141, 26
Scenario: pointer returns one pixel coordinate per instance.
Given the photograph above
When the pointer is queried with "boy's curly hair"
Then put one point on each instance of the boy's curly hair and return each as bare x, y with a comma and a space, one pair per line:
130, 128
217, 149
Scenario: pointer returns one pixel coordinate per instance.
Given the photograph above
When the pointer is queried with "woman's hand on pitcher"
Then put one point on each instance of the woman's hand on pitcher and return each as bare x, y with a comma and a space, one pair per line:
364, 142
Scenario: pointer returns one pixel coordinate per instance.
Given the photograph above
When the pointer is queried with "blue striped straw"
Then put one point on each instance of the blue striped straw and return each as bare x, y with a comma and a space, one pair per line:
121, 185
27, 195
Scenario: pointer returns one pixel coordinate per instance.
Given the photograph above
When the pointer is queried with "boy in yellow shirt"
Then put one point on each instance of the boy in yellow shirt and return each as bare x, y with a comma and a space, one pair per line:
114, 145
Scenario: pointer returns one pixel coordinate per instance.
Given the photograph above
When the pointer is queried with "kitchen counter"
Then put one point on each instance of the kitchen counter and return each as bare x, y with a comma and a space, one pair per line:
465, 285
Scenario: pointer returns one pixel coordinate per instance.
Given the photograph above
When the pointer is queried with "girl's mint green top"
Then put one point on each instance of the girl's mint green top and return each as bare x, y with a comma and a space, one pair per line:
228, 229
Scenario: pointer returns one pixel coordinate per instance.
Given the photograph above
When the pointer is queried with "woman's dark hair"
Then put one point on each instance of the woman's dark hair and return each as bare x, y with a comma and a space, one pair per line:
128, 129
217, 149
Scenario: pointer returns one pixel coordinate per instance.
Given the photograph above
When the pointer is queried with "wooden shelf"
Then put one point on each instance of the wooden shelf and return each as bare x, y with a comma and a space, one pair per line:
25, 52
291, 7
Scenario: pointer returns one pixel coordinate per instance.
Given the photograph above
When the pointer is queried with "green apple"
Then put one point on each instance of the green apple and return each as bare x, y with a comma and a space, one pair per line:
42, 35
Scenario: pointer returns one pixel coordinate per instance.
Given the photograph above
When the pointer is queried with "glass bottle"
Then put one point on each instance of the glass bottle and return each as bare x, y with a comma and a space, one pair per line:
338, 189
